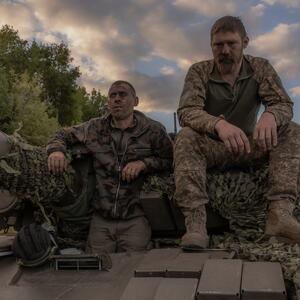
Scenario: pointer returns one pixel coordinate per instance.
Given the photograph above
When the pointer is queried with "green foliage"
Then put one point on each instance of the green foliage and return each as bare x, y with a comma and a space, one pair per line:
92, 105
52, 64
38, 88
27, 112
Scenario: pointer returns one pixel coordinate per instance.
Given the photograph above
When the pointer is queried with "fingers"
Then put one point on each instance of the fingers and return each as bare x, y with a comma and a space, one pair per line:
238, 143
274, 136
132, 170
129, 173
57, 162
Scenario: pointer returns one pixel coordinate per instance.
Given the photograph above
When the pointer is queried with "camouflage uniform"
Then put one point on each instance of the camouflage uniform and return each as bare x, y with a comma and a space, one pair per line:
198, 148
147, 141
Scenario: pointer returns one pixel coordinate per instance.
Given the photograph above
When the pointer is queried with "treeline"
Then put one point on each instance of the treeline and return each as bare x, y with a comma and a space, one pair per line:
38, 88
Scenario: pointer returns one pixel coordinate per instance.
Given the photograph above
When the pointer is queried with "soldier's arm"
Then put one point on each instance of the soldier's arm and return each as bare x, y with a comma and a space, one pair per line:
162, 149
274, 97
67, 137
63, 140
191, 111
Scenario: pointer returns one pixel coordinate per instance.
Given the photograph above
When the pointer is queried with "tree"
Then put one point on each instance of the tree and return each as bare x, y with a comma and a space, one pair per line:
26, 112
53, 65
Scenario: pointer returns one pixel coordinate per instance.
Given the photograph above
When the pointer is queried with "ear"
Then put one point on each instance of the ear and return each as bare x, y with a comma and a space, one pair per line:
136, 101
245, 42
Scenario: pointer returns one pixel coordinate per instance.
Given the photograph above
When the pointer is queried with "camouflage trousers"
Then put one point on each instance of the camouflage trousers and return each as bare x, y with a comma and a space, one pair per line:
196, 153
108, 235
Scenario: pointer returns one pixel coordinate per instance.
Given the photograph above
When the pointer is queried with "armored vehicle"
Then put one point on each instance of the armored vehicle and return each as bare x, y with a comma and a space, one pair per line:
241, 263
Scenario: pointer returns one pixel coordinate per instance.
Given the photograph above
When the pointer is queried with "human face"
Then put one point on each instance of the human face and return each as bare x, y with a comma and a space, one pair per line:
227, 48
121, 101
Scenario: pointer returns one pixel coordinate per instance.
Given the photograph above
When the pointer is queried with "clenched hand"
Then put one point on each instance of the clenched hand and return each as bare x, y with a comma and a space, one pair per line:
265, 132
233, 137
132, 170
57, 162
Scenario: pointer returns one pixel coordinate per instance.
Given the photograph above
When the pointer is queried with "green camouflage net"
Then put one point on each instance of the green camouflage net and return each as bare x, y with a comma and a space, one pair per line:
235, 195
238, 196
24, 173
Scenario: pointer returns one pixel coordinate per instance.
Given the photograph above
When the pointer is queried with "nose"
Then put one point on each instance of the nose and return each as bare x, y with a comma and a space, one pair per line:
225, 49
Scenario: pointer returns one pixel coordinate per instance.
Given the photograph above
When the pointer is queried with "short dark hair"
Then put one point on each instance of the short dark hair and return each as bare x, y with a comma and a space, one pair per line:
118, 82
228, 24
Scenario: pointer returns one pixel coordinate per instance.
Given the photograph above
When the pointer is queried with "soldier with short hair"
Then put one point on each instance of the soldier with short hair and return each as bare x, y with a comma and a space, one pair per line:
218, 113
125, 146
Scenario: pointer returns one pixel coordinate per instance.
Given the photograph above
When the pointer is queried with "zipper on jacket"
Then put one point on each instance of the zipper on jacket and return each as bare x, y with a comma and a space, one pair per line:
119, 169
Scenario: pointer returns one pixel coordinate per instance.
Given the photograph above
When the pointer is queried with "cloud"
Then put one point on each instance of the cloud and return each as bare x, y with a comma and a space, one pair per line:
282, 46
108, 39
212, 8
295, 91
167, 70
258, 10
20, 16
287, 3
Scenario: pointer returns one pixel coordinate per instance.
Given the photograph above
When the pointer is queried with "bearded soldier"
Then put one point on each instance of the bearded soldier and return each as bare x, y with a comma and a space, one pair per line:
218, 113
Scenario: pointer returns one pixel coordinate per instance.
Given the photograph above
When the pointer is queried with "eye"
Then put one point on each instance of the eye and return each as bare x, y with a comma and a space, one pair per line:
122, 94
112, 95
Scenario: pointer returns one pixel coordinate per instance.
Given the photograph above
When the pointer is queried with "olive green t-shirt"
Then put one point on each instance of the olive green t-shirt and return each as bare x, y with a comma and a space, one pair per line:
239, 104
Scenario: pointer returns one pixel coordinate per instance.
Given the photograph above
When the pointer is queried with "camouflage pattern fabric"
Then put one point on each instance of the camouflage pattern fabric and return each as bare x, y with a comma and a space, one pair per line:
54, 199
206, 152
147, 141
195, 97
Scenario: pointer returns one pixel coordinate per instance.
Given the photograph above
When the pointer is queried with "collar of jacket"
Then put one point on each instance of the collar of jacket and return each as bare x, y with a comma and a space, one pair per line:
245, 72
141, 119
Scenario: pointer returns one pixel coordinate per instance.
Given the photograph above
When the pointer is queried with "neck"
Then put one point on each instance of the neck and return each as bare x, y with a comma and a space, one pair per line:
231, 77
124, 123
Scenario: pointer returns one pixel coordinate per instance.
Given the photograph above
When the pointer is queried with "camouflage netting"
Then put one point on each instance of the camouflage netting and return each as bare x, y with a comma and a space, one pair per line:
24, 173
237, 195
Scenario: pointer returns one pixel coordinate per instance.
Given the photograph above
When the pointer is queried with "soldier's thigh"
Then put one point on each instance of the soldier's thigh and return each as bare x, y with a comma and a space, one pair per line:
101, 235
133, 234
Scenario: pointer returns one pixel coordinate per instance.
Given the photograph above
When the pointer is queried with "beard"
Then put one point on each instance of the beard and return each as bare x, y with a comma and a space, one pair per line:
228, 63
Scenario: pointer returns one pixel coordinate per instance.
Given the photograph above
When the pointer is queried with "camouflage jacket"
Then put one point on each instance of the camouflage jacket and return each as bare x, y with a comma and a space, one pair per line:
147, 141
192, 111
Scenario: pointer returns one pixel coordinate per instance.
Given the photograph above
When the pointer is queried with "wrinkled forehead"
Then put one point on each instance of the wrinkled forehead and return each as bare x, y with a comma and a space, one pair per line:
121, 87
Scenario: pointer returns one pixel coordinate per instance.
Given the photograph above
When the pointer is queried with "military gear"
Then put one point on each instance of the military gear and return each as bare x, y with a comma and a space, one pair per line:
146, 141
195, 223
33, 245
281, 222
206, 99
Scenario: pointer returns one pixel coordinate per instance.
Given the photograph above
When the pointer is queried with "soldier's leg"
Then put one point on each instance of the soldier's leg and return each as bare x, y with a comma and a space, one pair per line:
133, 234
102, 235
283, 187
194, 153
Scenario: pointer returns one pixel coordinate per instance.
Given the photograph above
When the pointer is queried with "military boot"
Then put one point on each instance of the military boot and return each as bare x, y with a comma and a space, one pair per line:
281, 222
196, 233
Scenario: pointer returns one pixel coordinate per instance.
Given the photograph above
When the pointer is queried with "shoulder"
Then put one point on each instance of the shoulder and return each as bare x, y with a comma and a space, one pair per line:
148, 122
204, 66
260, 66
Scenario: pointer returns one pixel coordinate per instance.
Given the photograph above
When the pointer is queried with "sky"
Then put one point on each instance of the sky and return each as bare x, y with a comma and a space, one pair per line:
152, 43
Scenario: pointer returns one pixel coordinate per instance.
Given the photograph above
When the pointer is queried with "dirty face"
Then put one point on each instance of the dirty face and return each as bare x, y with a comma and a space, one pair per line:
227, 49
121, 101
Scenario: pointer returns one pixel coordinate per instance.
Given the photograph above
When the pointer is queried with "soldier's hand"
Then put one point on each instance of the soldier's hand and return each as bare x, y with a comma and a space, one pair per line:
234, 138
57, 162
265, 132
132, 170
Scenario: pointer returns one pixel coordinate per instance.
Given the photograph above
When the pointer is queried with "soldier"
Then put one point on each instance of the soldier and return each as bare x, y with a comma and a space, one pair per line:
218, 112
125, 146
